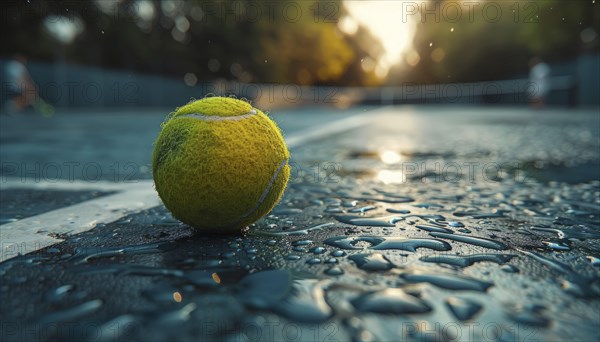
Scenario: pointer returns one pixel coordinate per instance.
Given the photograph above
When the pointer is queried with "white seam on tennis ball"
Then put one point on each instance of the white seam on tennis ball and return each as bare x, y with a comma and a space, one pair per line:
264, 195
216, 117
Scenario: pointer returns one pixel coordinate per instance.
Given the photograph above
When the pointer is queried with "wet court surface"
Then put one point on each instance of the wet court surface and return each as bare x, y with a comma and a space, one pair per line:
426, 224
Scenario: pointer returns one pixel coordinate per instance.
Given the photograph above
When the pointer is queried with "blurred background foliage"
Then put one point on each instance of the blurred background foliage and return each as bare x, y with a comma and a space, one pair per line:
500, 38
304, 42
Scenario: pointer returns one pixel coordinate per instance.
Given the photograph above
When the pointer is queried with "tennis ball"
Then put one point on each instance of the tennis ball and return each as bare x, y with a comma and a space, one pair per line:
219, 164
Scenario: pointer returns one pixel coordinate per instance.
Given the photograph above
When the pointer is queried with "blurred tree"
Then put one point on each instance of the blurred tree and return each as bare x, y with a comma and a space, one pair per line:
250, 41
308, 54
361, 71
300, 42
496, 39
555, 28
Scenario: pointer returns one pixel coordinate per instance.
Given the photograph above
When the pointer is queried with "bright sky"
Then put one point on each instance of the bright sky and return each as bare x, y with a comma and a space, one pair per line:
385, 21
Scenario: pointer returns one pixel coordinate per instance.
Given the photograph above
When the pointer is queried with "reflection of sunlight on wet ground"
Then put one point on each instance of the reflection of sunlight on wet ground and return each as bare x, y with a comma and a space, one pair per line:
390, 157
390, 176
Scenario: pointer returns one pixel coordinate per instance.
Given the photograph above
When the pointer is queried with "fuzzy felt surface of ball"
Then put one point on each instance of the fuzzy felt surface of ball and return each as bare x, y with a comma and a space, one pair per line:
219, 164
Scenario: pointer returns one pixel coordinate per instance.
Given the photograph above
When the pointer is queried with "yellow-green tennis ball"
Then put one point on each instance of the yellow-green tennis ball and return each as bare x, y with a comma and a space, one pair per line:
219, 164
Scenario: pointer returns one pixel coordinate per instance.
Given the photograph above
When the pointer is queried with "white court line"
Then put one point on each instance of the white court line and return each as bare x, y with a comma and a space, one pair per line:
63, 184
310, 134
33, 233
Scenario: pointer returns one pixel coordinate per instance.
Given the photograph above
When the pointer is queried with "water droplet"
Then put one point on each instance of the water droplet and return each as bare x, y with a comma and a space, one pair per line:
427, 205
556, 265
124, 221
363, 209
390, 301
313, 261
557, 245
383, 243
299, 300
435, 229
448, 281
398, 211
481, 242
509, 269
301, 243
350, 242
386, 197
334, 271
349, 204
462, 308
303, 231
318, 250
338, 253
228, 255
595, 261
306, 302
58, 293
361, 221
570, 233
578, 212
84, 255
372, 262
331, 201
468, 260
177, 316
286, 211
478, 215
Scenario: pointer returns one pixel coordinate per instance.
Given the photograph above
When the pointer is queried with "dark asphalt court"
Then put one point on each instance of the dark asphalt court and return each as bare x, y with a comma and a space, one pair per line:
427, 223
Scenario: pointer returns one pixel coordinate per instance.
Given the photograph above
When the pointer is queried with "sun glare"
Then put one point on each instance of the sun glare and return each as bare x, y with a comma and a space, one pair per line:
391, 176
384, 20
390, 157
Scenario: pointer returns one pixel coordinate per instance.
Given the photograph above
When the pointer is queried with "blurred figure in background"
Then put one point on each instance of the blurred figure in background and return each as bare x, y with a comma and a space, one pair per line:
539, 74
22, 91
